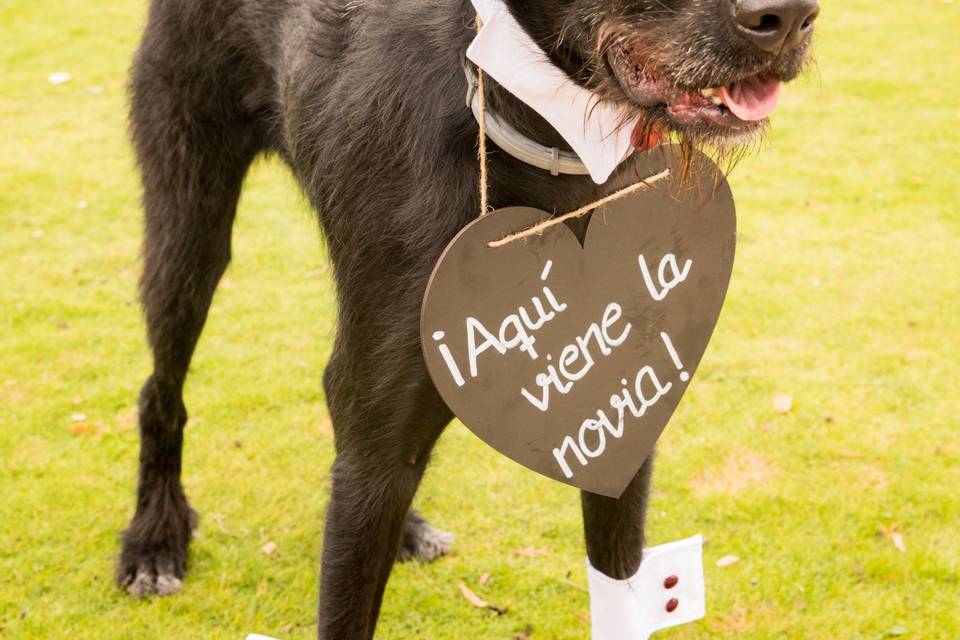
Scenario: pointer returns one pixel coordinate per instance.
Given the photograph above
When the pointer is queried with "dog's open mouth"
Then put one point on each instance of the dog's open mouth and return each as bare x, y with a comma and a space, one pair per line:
738, 106
734, 105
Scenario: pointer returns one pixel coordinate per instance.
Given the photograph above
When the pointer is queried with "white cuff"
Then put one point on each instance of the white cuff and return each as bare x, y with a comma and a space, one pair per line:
666, 591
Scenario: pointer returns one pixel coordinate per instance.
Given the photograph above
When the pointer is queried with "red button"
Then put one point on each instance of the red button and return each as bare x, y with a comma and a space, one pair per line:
672, 605
671, 582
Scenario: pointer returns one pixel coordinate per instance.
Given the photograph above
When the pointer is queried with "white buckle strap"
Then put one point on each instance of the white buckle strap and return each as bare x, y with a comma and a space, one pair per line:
666, 591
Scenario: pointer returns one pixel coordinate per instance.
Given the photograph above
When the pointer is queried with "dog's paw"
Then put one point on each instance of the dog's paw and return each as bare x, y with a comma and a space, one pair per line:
157, 575
424, 543
154, 557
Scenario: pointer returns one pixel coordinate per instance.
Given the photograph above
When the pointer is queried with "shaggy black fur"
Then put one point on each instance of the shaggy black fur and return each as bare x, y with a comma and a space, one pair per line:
364, 101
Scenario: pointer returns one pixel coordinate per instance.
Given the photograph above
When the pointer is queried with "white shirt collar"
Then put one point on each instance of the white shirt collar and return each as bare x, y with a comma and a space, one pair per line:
511, 57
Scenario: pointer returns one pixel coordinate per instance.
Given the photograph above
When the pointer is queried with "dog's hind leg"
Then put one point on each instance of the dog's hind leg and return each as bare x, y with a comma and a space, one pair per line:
421, 540
193, 154
614, 527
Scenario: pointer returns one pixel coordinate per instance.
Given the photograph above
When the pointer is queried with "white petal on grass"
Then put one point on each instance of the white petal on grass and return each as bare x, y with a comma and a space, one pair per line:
59, 77
727, 561
782, 403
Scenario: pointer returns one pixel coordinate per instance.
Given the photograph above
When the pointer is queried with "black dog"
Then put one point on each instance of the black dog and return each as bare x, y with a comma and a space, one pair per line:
364, 99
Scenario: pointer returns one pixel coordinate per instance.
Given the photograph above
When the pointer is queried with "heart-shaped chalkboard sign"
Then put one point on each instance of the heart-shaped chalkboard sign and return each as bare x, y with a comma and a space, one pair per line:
569, 358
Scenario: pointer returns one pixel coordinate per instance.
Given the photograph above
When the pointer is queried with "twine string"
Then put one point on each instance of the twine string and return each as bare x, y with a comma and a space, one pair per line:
537, 229
482, 142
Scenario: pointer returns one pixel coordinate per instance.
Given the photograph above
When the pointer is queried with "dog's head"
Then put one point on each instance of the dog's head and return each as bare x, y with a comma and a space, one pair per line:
708, 70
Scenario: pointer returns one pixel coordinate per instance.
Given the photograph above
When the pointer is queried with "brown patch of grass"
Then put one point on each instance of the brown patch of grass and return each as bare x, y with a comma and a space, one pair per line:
738, 471
871, 477
734, 622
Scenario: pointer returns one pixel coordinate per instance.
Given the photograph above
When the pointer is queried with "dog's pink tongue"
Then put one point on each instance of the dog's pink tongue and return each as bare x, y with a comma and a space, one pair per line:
752, 99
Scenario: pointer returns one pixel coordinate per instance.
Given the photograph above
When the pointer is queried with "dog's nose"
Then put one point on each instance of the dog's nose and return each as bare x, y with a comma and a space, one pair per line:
775, 25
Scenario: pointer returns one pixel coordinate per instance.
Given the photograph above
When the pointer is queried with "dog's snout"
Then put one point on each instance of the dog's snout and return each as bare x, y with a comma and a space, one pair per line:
775, 25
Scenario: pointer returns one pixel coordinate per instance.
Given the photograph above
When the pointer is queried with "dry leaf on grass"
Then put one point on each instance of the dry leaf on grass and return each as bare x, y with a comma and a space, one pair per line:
473, 598
567, 581
892, 533
531, 552
484, 578
479, 602
782, 403
269, 549
897, 539
850, 455
727, 561
571, 583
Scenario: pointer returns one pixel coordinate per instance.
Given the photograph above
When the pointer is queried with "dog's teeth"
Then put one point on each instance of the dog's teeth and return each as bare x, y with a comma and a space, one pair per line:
711, 94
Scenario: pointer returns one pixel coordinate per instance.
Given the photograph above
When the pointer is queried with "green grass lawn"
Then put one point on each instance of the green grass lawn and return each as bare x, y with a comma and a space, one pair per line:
846, 295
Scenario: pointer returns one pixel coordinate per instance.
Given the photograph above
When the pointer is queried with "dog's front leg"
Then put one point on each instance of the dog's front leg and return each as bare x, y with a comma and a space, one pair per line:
635, 591
386, 415
368, 506
614, 528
